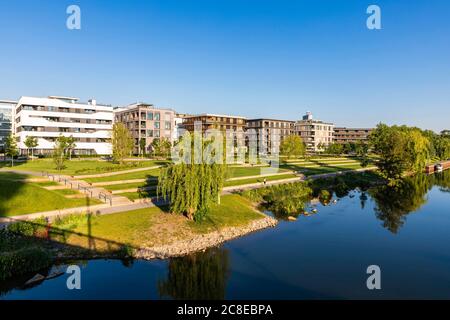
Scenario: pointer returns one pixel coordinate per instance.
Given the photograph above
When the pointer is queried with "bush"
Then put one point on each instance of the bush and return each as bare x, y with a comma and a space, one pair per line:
23, 261
23, 228
29, 228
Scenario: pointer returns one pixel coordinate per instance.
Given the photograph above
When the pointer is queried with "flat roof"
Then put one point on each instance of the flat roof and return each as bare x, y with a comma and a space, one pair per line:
63, 98
214, 115
269, 119
8, 101
348, 128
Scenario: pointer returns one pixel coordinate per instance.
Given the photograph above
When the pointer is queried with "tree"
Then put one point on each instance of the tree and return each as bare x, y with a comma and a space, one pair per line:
190, 187
59, 152
400, 149
122, 142
335, 148
31, 143
292, 146
142, 146
161, 147
70, 146
11, 148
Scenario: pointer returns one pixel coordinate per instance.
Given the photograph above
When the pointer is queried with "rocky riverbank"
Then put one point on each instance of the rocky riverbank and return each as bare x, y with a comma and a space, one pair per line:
202, 242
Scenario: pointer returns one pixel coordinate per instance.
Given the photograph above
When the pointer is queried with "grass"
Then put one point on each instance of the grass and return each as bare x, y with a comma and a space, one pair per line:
81, 167
125, 186
155, 226
236, 172
20, 197
256, 180
138, 195
126, 176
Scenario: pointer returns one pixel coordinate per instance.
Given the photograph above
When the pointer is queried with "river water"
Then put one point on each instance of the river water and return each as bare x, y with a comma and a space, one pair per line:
405, 231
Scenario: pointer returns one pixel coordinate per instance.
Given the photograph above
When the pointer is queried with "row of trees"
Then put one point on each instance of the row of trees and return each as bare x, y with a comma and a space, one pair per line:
403, 149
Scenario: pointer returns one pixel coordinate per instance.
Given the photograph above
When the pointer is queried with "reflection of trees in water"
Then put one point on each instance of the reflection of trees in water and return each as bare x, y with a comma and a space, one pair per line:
442, 180
394, 203
198, 276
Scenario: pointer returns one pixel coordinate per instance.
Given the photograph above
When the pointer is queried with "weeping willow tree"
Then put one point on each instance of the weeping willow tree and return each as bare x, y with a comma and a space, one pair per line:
193, 186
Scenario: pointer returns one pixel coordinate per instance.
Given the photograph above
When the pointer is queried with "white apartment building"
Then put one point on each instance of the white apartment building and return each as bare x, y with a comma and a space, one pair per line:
47, 118
6, 108
316, 134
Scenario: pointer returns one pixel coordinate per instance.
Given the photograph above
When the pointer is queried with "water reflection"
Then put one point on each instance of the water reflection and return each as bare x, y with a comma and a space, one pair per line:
198, 276
394, 203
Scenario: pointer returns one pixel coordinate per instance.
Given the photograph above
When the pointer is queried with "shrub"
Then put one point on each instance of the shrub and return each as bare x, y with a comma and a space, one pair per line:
23, 261
23, 228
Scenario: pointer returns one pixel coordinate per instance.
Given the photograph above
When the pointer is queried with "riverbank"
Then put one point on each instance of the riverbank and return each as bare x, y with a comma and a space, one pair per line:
139, 234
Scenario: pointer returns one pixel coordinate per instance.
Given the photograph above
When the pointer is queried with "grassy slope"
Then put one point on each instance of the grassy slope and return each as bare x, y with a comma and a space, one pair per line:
126, 176
19, 197
153, 226
81, 167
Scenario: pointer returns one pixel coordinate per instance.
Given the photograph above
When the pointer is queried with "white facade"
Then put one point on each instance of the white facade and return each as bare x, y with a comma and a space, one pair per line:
47, 118
315, 134
6, 108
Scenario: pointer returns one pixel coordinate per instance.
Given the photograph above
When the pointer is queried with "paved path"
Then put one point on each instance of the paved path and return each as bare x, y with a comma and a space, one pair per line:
127, 205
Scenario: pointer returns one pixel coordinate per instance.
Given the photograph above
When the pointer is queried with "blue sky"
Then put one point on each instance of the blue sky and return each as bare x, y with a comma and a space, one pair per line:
255, 58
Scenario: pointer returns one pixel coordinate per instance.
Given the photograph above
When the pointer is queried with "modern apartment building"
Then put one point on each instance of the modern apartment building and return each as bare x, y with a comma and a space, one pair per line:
351, 135
147, 122
6, 108
214, 121
47, 118
316, 134
268, 130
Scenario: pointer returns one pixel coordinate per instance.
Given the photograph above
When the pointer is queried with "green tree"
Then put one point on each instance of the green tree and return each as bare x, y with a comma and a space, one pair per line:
31, 143
11, 148
335, 148
161, 147
142, 146
400, 150
122, 142
71, 145
59, 152
192, 187
292, 146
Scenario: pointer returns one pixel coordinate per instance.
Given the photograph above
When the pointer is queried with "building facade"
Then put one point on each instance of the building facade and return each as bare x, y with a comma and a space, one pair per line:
147, 122
316, 134
47, 118
6, 109
345, 135
270, 132
208, 121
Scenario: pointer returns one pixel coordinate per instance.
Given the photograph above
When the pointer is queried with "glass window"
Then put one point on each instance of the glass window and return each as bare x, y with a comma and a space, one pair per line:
149, 133
149, 115
157, 135
157, 116
167, 125
156, 125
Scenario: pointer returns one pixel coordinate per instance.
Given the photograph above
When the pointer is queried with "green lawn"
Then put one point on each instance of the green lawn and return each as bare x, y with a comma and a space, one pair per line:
125, 186
154, 226
126, 176
20, 197
236, 172
81, 167
255, 180
138, 195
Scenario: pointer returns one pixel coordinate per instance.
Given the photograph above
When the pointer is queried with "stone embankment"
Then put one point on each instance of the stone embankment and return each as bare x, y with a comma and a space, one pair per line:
204, 241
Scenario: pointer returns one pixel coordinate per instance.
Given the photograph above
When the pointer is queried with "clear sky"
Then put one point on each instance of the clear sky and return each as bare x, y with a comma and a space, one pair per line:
255, 58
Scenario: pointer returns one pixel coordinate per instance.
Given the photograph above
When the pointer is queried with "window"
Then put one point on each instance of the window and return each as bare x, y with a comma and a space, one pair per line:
157, 117
167, 125
157, 135
149, 133
156, 125
149, 115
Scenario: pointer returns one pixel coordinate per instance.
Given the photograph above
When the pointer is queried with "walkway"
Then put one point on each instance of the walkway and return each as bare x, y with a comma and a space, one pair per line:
122, 204
115, 173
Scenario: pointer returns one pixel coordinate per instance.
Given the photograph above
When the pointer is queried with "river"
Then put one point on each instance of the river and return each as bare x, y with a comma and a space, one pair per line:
405, 231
